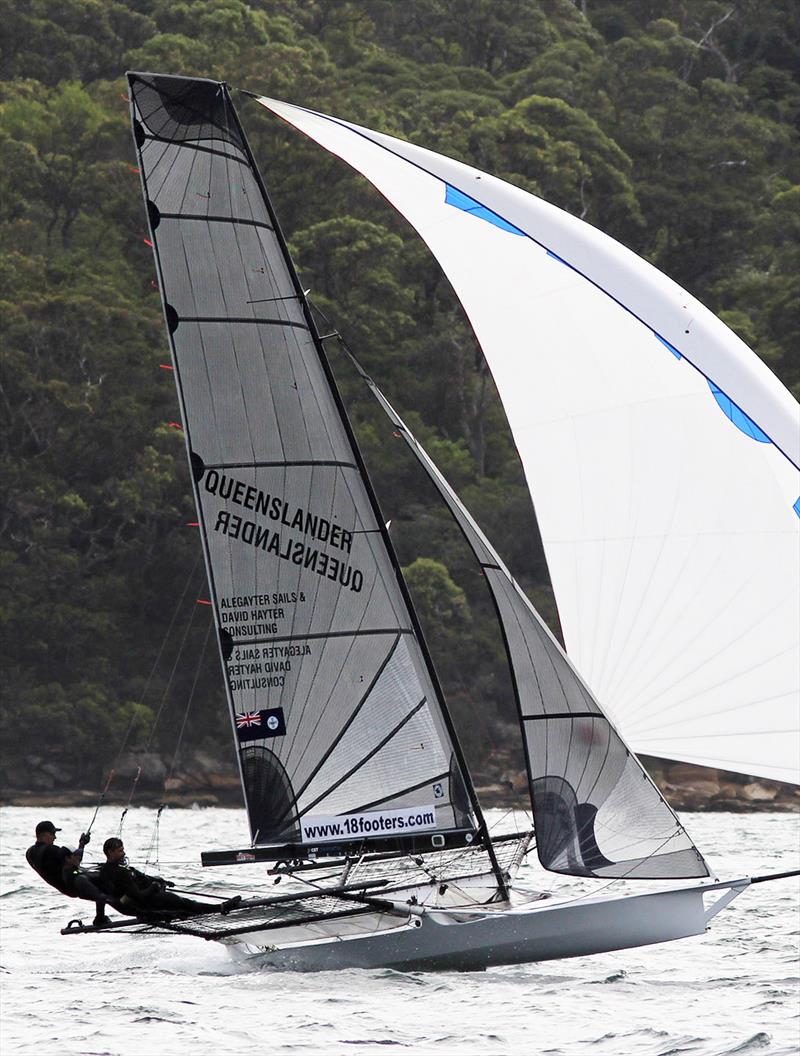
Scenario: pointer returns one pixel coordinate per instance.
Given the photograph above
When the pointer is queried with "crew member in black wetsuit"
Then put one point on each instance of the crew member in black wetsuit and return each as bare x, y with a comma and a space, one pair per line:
139, 895
58, 866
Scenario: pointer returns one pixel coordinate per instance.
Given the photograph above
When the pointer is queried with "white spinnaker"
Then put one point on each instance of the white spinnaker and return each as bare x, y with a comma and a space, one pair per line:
668, 512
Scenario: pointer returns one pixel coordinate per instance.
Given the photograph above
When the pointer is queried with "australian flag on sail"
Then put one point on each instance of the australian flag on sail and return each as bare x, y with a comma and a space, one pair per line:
255, 725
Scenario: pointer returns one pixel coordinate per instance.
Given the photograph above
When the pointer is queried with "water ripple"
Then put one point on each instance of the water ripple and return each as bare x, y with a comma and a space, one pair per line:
125, 995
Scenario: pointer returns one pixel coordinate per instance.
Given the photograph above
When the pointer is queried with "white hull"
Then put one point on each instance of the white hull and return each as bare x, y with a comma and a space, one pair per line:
473, 940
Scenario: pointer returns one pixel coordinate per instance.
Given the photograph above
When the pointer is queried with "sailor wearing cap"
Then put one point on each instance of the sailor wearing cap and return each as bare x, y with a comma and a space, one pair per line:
58, 866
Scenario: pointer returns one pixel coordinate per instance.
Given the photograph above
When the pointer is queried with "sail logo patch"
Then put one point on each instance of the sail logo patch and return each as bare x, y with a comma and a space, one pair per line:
255, 725
369, 823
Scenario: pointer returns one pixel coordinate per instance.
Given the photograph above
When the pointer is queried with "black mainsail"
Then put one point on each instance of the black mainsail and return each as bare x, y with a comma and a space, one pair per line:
341, 729
596, 812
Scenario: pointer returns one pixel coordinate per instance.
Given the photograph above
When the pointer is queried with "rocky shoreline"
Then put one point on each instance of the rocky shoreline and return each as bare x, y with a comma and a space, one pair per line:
205, 780
684, 786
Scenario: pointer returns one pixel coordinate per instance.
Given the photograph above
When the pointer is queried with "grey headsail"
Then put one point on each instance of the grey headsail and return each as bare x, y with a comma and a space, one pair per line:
596, 811
340, 729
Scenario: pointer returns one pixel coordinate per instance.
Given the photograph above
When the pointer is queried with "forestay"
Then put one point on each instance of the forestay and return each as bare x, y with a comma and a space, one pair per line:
596, 811
661, 455
338, 726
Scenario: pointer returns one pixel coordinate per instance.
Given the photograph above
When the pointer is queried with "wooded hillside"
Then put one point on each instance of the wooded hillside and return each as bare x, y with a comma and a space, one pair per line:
672, 125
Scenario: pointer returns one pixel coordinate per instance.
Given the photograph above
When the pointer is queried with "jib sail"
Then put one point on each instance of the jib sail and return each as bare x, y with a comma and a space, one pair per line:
596, 812
339, 726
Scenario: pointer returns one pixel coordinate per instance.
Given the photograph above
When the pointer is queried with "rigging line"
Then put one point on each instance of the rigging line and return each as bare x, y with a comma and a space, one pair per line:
99, 802
157, 660
264, 300
168, 686
130, 800
189, 702
499, 822
151, 858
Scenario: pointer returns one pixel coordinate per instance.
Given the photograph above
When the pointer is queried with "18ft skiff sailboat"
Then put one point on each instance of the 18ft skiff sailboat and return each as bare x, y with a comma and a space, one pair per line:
349, 759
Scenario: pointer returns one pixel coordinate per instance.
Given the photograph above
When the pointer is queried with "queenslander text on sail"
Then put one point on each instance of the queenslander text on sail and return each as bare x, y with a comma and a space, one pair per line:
286, 546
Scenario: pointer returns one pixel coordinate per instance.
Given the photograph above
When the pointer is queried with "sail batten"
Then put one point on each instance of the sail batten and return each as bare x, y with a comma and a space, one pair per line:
660, 452
326, 677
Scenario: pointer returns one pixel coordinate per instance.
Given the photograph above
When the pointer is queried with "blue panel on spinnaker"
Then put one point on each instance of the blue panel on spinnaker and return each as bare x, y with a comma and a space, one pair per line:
469, 205
555, 256
737, 415
672, 348
796, 507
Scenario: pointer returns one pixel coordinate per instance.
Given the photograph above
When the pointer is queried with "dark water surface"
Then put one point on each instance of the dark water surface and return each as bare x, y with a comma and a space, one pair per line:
734, 991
